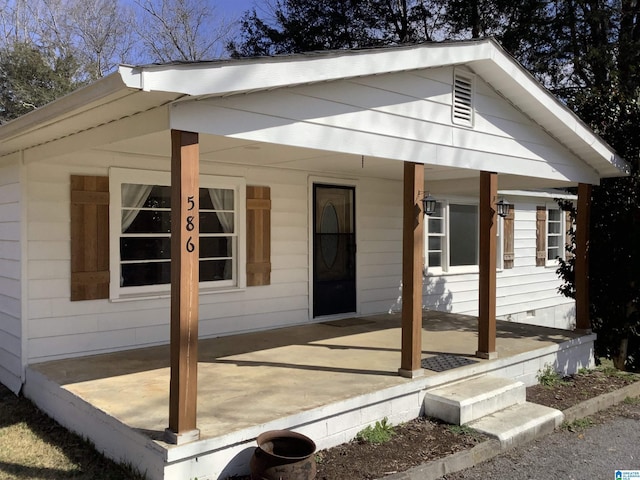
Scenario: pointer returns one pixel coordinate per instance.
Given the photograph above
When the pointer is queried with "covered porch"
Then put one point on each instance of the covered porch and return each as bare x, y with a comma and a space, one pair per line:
326, 380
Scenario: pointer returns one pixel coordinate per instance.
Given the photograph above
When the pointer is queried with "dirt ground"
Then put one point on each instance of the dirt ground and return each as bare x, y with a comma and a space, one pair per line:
426, 439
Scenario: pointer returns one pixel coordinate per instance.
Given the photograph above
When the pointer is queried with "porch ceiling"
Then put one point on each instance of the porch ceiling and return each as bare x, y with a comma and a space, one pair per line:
234, 151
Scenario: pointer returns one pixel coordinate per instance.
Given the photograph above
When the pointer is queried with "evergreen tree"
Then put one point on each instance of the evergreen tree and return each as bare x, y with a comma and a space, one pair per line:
28, 81
295, 26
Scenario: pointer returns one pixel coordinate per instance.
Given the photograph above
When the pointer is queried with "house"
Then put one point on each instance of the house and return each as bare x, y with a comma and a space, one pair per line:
307, 169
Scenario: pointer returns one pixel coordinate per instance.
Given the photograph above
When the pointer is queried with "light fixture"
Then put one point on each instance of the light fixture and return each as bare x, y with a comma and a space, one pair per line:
502, 208
429, 204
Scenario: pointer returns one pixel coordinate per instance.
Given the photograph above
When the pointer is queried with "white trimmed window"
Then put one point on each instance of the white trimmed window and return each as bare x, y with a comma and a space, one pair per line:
452, 239
555, 234
140, 232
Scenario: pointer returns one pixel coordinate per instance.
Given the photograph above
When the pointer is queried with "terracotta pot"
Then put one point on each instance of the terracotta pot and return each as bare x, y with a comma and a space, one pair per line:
283, 455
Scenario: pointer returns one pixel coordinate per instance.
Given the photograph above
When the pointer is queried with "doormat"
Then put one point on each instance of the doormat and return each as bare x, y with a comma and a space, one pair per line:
440, 363
348, 322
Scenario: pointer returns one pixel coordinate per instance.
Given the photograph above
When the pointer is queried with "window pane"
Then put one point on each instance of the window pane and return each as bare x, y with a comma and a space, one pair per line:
439, 210
145, 196
146, 221
212, 270
553, 253
463, 234
215, 247
436, 225
145, 248
554, 227
220, 222
138, 274
216, 199
435, 259
554, 242
435, 243
554, 215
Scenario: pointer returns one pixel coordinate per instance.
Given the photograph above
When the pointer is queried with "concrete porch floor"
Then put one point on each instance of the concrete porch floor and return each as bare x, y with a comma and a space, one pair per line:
252, 379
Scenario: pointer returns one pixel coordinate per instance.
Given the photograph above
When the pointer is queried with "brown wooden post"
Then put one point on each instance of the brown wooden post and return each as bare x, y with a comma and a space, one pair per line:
412, 265
487, 264
185, 231
583, 319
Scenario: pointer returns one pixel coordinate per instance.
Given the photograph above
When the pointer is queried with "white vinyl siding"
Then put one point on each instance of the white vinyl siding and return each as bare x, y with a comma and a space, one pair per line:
403, 116
524, 288
61, 328
10, 278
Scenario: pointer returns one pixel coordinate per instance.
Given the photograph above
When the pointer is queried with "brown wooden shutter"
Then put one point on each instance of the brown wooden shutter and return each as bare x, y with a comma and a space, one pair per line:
89, 237
258, 235
568, 237
541, 234
509, 233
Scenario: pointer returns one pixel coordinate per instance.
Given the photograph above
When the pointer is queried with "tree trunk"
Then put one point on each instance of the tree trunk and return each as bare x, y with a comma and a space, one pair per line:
620, 359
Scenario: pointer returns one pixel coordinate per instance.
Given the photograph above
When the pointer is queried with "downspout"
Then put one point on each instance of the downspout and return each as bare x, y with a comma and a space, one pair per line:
24, 270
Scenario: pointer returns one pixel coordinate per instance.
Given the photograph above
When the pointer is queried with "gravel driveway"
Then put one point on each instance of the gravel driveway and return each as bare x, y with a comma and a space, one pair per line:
595, 452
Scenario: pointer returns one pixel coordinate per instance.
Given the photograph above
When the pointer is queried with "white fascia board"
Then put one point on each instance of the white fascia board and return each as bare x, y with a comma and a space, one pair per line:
52, 112
225, 78
548, 105
538, 194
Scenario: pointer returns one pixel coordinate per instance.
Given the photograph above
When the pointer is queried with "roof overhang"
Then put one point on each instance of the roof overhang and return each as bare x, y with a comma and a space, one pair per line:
131, 90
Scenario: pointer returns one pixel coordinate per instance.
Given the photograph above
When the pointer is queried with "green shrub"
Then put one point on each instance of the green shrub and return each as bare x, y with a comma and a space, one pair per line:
548, 377
379, 433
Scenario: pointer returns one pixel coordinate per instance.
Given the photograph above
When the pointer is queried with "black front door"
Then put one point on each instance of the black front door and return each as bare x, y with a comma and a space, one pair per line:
334, 250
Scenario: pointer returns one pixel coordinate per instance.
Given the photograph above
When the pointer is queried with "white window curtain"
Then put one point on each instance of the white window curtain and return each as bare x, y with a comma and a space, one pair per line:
222, 199
133, 196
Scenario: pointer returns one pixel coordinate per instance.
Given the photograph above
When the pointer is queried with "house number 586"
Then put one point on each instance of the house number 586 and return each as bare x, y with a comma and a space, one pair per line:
190, 226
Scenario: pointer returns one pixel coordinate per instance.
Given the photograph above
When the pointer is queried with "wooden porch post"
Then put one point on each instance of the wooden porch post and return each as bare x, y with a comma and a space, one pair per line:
583, 320
412, 265
487, 265
185, 232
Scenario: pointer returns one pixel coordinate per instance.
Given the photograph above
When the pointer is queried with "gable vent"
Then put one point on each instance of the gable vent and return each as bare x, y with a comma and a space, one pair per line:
462, 113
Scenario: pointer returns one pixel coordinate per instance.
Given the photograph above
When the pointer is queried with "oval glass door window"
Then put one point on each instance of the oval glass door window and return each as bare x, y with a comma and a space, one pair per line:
329, 234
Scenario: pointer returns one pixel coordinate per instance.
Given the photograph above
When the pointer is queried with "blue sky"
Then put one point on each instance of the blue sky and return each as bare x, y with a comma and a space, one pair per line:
235, 7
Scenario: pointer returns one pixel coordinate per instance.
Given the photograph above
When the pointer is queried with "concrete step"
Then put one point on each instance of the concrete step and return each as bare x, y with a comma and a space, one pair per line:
520, 423
463, 402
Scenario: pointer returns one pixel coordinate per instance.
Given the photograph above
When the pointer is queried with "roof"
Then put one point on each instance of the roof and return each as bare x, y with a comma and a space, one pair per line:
133, 89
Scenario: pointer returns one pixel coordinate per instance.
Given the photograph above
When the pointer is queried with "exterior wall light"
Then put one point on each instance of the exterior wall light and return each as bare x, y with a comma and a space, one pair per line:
429, 204
502, 208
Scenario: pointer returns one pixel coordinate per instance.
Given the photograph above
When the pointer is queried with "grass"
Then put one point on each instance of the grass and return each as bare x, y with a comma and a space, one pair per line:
578, 424
549, 377
379, 433
607, 368
462, 430
631, 401
32, 446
